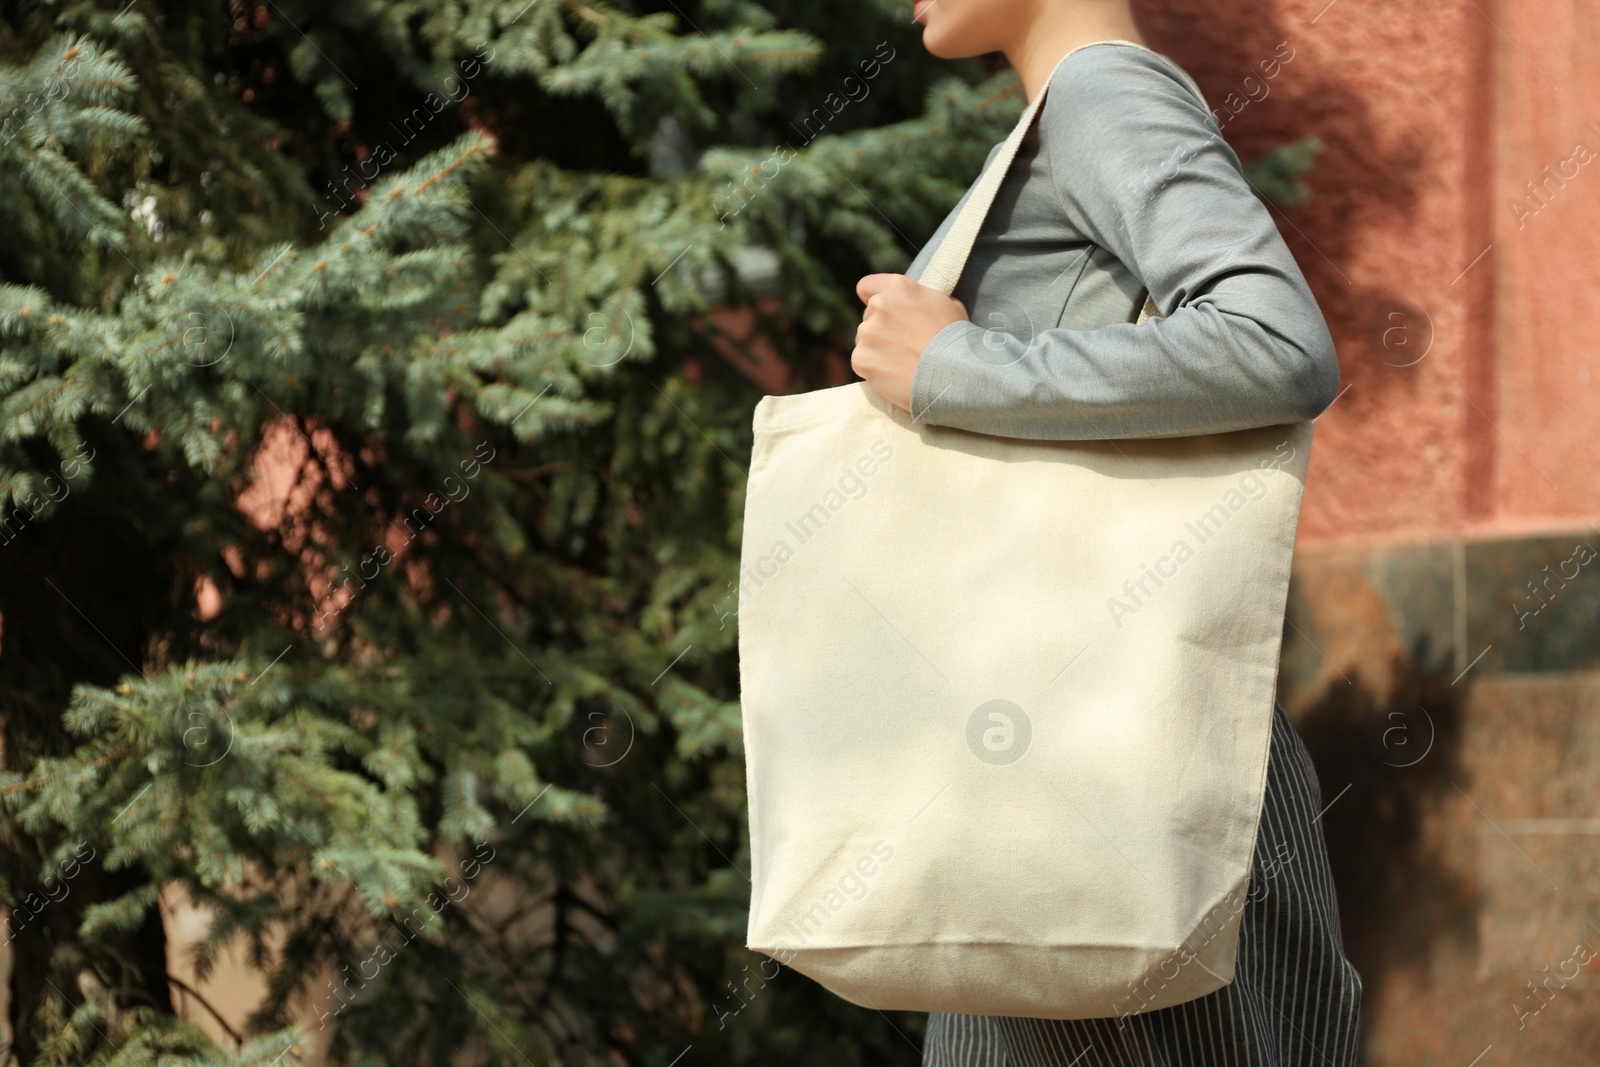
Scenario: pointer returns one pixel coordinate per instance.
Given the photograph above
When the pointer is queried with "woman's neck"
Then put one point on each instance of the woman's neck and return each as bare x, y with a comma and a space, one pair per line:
1060, 29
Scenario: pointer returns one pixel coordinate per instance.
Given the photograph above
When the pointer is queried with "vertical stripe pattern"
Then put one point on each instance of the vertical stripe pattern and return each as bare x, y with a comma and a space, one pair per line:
1295, 1000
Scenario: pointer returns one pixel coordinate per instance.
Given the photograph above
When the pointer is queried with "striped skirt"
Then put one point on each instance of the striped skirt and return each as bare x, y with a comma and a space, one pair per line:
1294, 1001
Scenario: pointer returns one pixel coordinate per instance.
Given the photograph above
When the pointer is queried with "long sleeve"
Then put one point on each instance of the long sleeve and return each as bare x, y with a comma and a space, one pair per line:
1141, 169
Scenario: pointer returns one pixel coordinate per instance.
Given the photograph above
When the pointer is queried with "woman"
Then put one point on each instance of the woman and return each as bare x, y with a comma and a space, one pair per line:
1124, 184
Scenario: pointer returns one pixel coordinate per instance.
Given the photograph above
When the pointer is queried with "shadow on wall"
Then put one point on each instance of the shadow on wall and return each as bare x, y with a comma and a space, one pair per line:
1400, 901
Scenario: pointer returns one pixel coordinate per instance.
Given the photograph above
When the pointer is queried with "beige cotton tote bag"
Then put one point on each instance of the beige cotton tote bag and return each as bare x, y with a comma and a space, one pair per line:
1006, 702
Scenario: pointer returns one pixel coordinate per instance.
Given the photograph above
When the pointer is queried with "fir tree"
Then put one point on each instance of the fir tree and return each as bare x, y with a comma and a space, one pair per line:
455, 266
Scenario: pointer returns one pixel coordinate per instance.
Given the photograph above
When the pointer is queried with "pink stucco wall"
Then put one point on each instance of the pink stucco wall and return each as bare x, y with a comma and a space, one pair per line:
1548, 113
1434, 116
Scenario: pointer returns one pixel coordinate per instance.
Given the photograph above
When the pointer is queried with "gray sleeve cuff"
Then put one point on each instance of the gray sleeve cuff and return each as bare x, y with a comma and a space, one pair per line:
936, 385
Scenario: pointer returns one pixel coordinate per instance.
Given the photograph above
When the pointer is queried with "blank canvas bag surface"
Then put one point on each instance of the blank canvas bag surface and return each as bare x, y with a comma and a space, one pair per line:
1006, 702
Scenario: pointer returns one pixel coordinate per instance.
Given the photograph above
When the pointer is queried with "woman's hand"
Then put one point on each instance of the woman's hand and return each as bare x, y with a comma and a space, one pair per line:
901, 317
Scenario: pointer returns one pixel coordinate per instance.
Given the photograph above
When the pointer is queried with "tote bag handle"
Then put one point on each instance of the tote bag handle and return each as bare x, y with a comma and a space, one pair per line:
950, 258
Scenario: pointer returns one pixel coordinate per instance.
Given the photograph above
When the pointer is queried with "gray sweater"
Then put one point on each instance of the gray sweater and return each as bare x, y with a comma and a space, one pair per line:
1124, 182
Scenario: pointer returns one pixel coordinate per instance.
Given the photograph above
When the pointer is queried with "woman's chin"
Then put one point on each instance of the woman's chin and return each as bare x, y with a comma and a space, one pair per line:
944, 45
